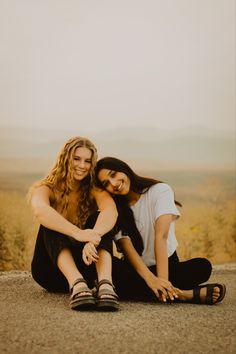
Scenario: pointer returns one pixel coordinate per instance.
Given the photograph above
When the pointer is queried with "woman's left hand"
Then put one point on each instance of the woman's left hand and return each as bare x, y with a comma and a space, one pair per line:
89, 253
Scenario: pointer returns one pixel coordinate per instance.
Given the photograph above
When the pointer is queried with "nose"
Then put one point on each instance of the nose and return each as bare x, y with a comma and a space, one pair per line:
113, 182
81, 163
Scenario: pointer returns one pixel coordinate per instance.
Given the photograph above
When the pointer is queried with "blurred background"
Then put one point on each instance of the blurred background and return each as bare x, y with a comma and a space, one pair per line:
148, 81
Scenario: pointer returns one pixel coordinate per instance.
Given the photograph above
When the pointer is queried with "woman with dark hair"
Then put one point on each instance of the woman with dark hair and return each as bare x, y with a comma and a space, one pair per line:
146, 236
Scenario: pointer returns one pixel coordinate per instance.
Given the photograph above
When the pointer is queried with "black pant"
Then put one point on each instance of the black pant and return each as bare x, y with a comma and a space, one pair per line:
49, 244
183, 275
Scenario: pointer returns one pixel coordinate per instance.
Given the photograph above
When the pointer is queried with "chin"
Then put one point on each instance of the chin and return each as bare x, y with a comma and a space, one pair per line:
79, 178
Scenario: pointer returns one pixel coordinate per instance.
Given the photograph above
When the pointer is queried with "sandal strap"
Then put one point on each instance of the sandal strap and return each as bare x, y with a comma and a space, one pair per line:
209, 297
77, 281
103, 292
196, 295
105, 281
209, 292
88, 293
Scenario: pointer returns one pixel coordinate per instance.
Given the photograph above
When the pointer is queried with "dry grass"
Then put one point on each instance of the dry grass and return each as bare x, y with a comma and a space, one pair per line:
17, 232
208, 230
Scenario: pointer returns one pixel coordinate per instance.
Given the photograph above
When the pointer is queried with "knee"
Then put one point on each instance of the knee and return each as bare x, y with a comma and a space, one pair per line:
207, 268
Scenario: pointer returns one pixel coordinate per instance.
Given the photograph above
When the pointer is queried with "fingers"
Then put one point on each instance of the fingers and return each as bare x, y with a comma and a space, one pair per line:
84, 257
161, 293
164, 290
96, 241
92, 251
89, 254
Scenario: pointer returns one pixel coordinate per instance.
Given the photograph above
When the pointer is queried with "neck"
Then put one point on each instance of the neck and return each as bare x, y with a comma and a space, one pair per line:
133, 197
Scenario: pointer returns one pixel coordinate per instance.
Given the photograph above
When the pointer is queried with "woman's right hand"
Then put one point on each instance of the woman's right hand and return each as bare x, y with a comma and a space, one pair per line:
162, 288
89, 254
88, 235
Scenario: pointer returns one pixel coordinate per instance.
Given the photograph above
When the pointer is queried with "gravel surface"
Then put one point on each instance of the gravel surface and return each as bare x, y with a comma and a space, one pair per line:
35, 321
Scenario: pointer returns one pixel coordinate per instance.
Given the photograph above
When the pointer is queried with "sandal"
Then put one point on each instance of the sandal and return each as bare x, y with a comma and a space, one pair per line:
79, 301
107, 300
209, 294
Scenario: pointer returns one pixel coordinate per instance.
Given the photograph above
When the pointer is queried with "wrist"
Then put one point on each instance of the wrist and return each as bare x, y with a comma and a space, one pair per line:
149, 277
100, 234
75, 233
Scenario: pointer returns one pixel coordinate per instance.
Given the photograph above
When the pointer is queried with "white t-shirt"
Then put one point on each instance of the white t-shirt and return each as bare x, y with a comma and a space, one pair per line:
157, 201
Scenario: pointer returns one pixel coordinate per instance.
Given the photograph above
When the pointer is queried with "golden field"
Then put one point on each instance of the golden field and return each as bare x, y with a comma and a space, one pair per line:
207, 227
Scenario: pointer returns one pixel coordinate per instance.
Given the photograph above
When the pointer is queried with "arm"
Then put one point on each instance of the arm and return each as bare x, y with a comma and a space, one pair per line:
105, 222
108, 213
156, 284
50, 218
162, 226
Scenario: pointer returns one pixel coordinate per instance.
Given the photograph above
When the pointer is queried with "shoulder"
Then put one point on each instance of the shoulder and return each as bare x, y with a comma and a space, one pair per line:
98, 193
44, 191
95, 191
160, 188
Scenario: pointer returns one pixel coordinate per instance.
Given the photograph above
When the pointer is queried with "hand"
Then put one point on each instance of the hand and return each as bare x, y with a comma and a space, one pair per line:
88, 235
89, 253
162, 288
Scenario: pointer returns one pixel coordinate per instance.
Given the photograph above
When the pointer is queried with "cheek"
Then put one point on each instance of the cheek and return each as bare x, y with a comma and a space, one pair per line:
109, 189
127, 185
89, 166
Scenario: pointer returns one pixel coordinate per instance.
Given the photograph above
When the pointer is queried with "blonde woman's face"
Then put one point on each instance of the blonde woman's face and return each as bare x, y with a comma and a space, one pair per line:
114, 182
82, 163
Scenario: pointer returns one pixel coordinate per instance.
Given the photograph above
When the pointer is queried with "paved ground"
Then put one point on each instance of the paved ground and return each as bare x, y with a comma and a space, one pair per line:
34, 321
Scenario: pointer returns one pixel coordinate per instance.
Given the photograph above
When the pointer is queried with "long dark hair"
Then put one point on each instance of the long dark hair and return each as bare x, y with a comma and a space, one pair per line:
138, 184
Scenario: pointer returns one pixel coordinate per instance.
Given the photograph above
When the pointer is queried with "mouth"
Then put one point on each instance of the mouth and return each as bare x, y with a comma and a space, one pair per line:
80, 172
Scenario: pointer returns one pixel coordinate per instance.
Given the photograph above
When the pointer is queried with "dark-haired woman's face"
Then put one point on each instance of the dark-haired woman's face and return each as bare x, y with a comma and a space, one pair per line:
114, 182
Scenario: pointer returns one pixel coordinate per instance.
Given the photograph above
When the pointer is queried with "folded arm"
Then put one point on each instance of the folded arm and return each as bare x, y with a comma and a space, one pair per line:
50, 218
108, 213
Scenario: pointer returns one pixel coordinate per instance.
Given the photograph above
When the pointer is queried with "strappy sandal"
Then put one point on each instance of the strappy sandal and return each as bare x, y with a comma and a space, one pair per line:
209, 294
83, 299
106, 299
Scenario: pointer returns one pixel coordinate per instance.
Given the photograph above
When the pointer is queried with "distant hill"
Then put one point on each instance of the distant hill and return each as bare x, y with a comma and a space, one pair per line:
193, 147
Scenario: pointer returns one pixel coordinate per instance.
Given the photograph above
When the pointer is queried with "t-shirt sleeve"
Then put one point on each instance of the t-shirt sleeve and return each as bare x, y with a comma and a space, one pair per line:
120, 235
164, 201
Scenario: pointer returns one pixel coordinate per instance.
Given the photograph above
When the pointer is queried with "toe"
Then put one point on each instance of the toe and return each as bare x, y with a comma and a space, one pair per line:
216, 294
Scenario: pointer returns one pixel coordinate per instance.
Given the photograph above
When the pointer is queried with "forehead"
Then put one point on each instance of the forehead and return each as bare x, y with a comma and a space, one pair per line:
104, 173
83, 152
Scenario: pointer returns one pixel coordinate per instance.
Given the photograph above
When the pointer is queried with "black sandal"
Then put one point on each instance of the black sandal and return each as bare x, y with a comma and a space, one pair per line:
79, 301
104, 303
209, 294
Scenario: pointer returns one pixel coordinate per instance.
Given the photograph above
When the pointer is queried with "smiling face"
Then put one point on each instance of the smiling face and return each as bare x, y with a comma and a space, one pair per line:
114, 182
82, 162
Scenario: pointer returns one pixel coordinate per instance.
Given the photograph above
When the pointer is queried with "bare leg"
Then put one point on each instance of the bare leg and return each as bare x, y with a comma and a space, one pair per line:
67, 266
104, 268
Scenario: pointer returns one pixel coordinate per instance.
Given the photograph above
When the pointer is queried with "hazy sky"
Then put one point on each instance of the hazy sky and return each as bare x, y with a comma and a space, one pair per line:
97, 64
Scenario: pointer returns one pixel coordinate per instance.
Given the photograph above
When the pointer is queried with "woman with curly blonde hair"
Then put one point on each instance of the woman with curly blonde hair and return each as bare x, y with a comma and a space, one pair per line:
74, 242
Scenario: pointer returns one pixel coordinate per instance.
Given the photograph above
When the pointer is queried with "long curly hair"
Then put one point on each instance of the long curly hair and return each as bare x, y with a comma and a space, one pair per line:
61, 180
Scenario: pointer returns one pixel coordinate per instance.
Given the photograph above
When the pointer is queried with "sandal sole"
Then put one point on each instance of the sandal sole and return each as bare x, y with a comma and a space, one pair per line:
107, 306
83, 305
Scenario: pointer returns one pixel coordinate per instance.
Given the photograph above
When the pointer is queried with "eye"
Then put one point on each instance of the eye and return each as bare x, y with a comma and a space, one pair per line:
89, 161
113, 173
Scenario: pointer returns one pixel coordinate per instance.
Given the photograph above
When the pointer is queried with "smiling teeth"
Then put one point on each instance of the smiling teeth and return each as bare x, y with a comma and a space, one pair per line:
119, 186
